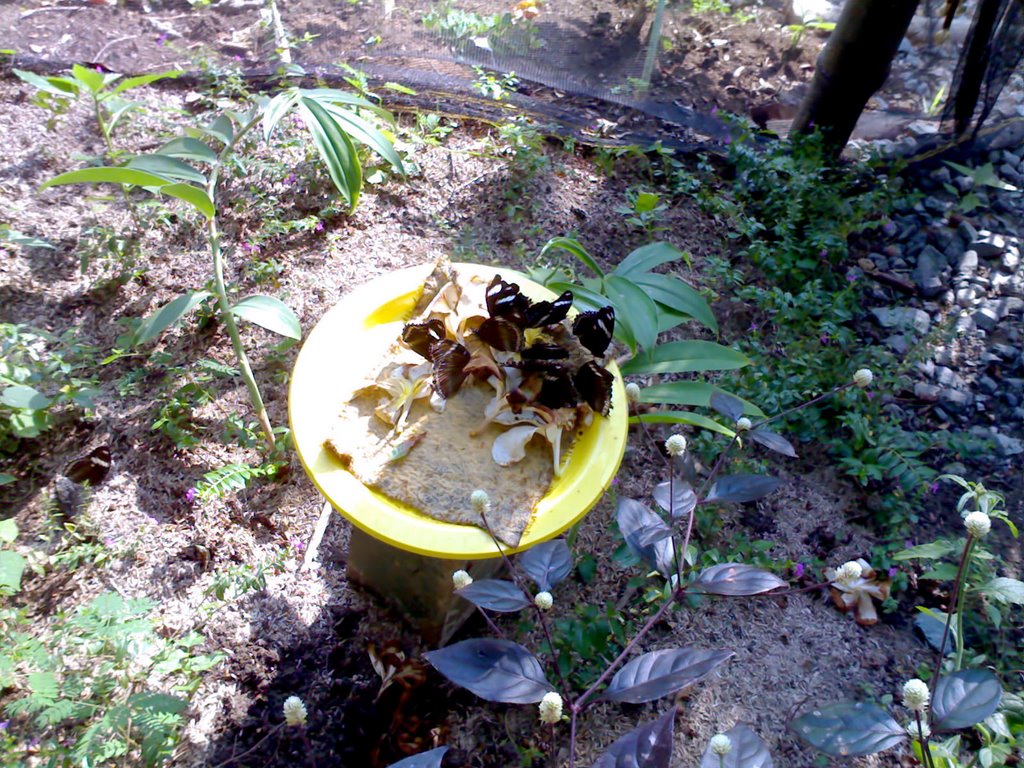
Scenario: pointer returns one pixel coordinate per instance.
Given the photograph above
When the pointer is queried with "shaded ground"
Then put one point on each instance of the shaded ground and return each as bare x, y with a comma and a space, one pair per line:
309, 633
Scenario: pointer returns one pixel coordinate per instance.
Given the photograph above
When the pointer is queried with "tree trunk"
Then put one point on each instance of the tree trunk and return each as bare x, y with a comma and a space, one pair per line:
853, 65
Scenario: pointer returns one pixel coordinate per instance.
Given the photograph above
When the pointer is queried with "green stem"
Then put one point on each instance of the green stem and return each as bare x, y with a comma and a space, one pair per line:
108, 142
652, 43
213, 237
955, 604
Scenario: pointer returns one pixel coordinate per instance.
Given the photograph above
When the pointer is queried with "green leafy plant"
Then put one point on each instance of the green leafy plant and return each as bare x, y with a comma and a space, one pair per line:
232, 477
643, 210
335, 120
40, 374
957, 698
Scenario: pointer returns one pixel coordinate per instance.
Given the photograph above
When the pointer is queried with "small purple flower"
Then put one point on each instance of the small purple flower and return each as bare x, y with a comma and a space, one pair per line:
4, 724
190, 496
823, 254
870, 395
851, 277
798, 570
893, 570
109, 541
752, 328
319, 225
825, 340
889, 228
290, 179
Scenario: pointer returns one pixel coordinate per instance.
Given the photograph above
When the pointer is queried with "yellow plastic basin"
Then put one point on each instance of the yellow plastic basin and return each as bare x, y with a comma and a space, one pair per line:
334, 361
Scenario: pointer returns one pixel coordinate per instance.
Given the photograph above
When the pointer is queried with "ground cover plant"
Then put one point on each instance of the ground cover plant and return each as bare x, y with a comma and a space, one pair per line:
170, 615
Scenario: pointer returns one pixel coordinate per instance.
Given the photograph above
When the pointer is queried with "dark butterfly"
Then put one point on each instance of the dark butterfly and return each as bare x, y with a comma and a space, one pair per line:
594, 384
450, 360
557, 389
542, 351
594, 329
91, 469
502, 334
504, 300
419, 336
549, 312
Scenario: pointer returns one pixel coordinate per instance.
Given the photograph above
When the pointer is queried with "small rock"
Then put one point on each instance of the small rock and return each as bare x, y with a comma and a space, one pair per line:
898, 343
986, 318
964, 324
947, 378
1011, 305
927, 368
965, 297
966, 231
1009, 261
943, 355
955, 399
967, 265
1006, 445
988, 384
903, 317
1006, 285
988, 245
928, 393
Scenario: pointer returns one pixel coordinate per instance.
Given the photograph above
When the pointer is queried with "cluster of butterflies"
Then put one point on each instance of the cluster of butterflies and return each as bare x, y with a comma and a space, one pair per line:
565, 379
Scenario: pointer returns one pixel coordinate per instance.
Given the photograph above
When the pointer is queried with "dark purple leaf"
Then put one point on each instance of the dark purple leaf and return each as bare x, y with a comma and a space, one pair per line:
965, 698
849, 729
646, 746
495, 595
741, 488
495, 670
735, 579
682, 502
547, 564
431, 759
773, 442
634, 519
748, 751
727, 405
659, 673
653, 533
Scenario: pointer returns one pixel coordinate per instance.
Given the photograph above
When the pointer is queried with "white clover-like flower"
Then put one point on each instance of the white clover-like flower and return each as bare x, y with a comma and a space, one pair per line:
915, 695
848, 572
919, 733
544, 601
294, 712
743, 424
633, 392
461, 579
480, 502
720, 744
551, 708
676, 445
978, 524
863, 377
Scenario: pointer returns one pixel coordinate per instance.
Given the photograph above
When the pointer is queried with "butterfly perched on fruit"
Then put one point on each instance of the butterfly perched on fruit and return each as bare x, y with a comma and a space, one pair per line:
594, 329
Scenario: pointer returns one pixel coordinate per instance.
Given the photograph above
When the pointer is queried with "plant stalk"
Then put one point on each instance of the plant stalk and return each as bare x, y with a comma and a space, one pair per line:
213, 237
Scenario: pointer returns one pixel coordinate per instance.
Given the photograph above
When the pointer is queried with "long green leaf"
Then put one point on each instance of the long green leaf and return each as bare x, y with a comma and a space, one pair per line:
336, 149
270, 313
362, 131
275, 109
335, 96
58, 86
680, 296
170, 168
697, 393
140, 80
194, 196
575, 248
107, 175
682, 417
168, 315
187, 148
221, 129
687, 357
638, 310
92, 79
24, 396
645, 258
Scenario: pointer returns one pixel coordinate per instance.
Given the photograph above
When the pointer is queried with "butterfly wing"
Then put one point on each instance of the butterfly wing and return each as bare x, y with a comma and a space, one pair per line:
594, 385
504, 300
594, 329
91, 469
450, 360
419, 336
502, 334
549, 312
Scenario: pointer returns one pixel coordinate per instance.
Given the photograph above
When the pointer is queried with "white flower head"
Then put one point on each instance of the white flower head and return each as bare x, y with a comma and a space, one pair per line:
480, 502
863, 377
915, 731
848, 572
294, 712
461, 579
720, 744
551, 708
544, 601
743, 424
915, 695
676, 445
633, 392
978, 524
